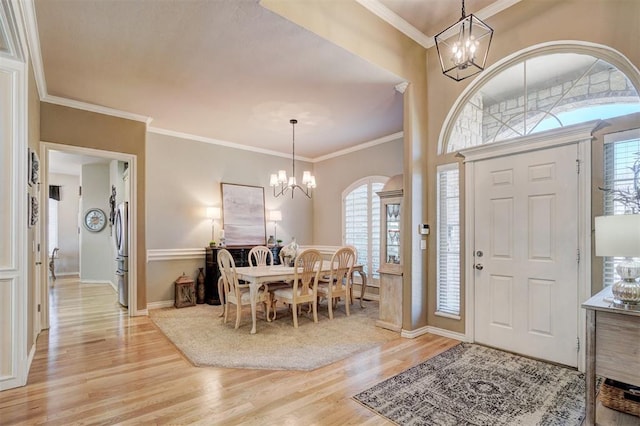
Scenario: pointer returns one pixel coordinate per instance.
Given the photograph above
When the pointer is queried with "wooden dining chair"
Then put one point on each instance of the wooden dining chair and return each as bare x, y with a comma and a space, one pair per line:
236, 293
338, 284
260, 256
304, 288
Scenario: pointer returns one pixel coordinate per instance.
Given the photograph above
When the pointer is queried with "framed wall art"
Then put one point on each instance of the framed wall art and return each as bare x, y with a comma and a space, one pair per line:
32, 210
33, 168
243, 214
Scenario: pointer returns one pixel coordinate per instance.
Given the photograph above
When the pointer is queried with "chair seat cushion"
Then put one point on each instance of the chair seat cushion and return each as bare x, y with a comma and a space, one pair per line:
287, 293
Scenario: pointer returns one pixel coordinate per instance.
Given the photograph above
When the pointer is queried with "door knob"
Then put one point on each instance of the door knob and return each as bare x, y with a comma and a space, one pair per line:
478, 266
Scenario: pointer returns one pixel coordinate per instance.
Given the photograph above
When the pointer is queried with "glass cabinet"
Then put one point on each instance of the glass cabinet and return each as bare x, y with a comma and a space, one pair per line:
391, 262
392, 220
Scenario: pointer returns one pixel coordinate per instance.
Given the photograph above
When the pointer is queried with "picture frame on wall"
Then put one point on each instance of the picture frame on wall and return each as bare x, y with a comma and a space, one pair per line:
32, 210
243, 214
33, 167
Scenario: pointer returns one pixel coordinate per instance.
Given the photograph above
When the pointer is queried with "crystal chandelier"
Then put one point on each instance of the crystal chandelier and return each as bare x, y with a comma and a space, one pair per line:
463, 47
280, 178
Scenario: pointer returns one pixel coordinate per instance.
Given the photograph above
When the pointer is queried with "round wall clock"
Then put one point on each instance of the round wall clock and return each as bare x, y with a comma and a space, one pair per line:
95, 220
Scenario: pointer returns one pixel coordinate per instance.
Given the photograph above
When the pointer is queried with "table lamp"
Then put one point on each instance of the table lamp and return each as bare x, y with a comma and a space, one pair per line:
214, 214
275, 216
619, 236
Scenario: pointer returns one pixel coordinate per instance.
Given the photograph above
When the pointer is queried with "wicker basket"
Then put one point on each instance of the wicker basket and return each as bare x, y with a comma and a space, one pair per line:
620, 396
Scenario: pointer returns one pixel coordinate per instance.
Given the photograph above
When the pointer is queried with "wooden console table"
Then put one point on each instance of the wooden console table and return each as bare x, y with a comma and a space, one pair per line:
613, 346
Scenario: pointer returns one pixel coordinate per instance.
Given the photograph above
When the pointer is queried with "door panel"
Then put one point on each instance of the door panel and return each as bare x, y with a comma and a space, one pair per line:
526, 208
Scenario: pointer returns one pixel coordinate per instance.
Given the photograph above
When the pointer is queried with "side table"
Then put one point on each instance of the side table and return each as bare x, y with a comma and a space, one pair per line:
612, 346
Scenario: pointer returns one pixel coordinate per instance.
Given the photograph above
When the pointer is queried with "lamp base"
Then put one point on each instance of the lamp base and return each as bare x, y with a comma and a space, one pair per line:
627, 290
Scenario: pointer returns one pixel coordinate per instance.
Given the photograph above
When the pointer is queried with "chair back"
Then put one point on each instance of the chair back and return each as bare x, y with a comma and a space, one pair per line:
262, 256
307, 272
342, 263
228, 271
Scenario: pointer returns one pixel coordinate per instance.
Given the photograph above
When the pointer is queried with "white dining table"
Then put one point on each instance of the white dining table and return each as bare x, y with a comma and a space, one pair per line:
257, 276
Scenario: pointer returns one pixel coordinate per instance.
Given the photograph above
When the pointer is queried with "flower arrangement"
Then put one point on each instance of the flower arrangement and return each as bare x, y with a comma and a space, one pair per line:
630, 196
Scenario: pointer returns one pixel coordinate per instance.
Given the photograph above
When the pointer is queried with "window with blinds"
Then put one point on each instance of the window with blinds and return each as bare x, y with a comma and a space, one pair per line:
361, 209
448, 240
621, 151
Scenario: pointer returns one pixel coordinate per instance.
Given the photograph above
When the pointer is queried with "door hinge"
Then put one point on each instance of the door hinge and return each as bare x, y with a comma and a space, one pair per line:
38, 307
578, 255
577, 344
577, 166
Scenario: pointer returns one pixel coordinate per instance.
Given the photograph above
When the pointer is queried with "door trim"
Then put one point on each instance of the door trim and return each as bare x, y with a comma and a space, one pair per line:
582, 136
45, 147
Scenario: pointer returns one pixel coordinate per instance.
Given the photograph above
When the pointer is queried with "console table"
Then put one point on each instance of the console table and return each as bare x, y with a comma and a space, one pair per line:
612, 347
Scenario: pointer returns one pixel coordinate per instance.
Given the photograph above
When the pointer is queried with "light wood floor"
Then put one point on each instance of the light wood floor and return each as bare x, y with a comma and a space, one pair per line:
96, 365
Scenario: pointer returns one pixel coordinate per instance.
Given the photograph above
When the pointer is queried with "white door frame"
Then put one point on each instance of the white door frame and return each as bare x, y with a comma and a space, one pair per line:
582, 136
45, 147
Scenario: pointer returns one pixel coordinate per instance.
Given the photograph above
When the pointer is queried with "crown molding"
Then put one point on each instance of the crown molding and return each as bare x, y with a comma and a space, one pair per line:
359, 147
96, 108
426, 41
384, 13
220, 142
33, 41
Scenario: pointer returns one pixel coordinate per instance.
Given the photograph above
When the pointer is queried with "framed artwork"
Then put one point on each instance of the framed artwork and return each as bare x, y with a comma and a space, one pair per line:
32, 210
243, 215
33, 168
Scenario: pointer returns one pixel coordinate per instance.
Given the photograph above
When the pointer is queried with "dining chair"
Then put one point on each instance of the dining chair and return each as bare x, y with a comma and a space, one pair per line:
338, 283
236, 293
260, 256
304, 288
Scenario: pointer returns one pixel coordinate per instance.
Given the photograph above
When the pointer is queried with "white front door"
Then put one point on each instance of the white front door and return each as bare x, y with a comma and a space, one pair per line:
526, 253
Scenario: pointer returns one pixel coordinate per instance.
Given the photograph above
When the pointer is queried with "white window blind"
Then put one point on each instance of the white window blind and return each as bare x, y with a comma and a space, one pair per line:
621, 150
361, 207
448, 240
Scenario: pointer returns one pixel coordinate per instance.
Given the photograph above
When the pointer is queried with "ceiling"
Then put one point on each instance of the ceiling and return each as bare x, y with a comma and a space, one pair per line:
229, 70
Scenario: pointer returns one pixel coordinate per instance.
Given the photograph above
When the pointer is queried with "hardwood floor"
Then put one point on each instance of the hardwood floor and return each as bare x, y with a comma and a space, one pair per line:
98, 366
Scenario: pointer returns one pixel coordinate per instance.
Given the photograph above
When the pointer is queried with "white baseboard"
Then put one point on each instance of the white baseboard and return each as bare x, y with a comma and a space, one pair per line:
412, 334
160, 305
67, 274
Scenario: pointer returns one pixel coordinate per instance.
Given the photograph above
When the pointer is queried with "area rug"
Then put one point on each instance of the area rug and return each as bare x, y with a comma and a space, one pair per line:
474, 385
200, 334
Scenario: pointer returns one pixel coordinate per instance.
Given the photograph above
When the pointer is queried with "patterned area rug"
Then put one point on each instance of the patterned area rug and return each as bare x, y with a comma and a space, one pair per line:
474, 385
205, 340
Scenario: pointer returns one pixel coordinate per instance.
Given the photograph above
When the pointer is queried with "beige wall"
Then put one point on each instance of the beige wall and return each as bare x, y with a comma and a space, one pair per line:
183, 179
336, 174
70, 126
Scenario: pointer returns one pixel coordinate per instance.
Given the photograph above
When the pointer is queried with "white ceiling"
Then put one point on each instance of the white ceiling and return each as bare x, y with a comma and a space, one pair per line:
228, 70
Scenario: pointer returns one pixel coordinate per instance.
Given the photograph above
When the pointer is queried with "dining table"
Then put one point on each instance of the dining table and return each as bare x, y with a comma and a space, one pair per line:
257, 276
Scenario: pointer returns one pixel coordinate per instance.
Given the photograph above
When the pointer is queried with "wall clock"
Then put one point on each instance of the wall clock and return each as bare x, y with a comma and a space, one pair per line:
95, 220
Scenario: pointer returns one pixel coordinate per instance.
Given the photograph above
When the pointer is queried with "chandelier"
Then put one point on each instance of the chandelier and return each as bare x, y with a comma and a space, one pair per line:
463, 47
280, 179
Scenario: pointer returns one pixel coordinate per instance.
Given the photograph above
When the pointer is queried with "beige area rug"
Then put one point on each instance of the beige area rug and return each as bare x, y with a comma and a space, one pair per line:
205, 340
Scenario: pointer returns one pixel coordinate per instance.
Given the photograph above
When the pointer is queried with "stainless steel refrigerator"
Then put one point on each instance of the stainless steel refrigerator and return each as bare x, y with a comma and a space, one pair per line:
122, 243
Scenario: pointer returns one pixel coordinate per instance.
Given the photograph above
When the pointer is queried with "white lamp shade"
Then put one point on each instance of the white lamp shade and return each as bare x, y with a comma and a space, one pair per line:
213, 212
275, 215
618, 235
273, 180
282, 176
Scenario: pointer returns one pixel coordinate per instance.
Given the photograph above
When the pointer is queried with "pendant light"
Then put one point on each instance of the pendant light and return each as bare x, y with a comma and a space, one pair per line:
280, 179
464, 46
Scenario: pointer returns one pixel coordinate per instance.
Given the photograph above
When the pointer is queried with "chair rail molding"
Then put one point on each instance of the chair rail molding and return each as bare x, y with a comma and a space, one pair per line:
154, 255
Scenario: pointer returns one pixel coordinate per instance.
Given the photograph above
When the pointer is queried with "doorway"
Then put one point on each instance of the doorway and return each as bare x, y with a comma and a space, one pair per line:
527, 222
108, 260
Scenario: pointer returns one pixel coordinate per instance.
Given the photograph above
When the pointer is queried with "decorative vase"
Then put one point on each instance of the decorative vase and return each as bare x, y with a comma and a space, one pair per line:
271, 241
200, 288
290, 251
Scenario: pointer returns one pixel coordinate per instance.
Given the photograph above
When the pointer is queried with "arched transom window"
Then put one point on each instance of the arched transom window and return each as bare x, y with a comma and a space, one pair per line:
540, 93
